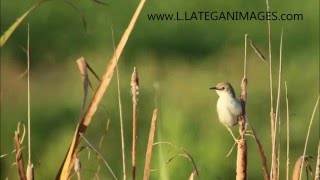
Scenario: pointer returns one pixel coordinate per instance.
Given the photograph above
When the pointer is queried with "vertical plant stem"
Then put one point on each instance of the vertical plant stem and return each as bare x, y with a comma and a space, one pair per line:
150, 145
30, 165
288, 133
121, 118
135, 92
121, 128
242, 160
242, 145
307, 138
28, 69
272, 115
317, 173
277, 119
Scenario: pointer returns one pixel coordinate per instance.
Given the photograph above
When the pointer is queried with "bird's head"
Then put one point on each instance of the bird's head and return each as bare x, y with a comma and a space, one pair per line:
224, 89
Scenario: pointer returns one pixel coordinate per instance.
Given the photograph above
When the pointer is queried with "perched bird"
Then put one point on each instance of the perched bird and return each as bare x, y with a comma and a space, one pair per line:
228, 106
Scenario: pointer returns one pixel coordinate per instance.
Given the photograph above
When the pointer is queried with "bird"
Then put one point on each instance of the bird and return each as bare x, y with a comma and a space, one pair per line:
229, 108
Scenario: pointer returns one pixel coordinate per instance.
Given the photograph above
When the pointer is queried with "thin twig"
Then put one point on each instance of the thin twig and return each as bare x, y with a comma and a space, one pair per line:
29, 127
288, 133
307, 138
105, 162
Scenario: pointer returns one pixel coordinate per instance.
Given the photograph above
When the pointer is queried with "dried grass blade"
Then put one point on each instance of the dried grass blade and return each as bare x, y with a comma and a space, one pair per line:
150, 145
262, 155
85, 78
308, 133
13, 27
257, 51
296, 174
79, 13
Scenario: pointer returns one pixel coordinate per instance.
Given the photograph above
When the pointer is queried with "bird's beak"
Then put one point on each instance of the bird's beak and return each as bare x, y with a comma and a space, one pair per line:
213, 88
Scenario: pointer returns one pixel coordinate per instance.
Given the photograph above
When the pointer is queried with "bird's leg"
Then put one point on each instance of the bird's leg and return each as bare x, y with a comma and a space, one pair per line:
237, 140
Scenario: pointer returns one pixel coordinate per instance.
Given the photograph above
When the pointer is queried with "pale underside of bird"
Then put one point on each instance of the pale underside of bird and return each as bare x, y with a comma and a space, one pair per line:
228, 106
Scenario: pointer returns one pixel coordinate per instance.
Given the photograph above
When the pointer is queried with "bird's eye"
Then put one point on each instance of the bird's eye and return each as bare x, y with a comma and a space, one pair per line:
223, 88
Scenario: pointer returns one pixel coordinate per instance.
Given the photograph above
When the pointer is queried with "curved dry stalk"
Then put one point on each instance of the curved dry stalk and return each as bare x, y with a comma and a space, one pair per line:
307, 138
97, 152
262, 155
185, 154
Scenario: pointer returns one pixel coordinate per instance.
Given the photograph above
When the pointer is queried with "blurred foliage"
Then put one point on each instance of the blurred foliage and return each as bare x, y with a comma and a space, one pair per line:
181, 58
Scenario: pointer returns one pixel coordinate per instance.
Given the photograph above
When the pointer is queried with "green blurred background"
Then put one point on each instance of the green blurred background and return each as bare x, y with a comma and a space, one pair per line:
177, 62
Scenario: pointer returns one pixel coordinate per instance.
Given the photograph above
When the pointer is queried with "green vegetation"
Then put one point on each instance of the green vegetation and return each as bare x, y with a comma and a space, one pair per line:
182, 58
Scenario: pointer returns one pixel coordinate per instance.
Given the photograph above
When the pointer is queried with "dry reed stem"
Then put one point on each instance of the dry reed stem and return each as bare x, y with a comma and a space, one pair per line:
121, 118
317, 173
30, 173
242, 160
19, 157
275, 157
272, 115
121, 128
288, 133
242, 145
67, 164
150, 145
135, 93
308, 133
